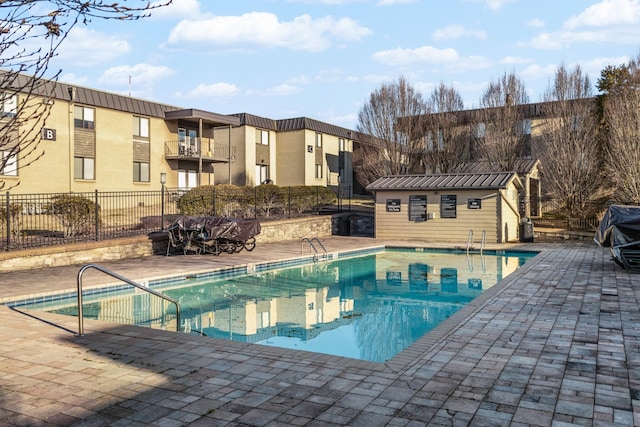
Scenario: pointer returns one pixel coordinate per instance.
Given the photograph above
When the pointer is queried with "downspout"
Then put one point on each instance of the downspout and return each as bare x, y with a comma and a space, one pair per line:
70, 119
499, 216
200, 151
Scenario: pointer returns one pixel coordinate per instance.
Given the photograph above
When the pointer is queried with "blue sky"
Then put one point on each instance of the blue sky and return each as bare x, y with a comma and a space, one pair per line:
323, 58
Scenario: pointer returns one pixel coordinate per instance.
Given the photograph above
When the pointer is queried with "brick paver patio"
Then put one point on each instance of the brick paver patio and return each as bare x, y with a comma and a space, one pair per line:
557, 343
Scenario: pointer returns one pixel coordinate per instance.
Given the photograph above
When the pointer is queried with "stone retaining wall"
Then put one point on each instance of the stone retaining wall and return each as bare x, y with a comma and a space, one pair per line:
141, 246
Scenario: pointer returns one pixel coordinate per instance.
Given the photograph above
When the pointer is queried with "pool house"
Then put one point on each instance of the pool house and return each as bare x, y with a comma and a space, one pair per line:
448, 207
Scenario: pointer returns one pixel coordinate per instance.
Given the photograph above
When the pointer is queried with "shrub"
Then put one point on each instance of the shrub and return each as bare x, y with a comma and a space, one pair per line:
269, 197
198, 201
77, 214
305, 199
241, 201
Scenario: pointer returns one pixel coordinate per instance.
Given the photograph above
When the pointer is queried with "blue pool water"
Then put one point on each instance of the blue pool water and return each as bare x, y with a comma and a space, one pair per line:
368, 307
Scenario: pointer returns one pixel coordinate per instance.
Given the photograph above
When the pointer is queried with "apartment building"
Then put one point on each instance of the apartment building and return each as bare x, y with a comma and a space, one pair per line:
298, 151
93, 139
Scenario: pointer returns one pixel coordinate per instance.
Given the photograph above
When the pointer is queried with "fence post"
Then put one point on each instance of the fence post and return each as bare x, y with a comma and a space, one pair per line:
255, 202
215, 196
162, 206
97, 216
8, 220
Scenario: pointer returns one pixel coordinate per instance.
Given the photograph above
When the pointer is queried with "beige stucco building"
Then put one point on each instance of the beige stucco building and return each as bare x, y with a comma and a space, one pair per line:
95, 140
448, 207
298, 151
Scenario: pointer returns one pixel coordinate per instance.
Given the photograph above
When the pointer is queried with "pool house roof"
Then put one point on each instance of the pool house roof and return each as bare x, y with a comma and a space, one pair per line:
452, 181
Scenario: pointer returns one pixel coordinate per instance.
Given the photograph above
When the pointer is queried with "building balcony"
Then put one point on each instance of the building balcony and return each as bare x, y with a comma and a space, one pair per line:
196, 148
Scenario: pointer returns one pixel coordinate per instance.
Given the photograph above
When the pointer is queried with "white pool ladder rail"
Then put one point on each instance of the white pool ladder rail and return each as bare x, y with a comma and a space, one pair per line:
483, 241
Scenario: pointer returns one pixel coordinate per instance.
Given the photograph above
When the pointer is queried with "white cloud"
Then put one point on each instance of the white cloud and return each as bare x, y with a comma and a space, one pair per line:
607, 13
456, 32
429, 55
176, 10
71, 78
392, 2
215, 90
537, 72
85, 47
142, 75
424, 54
493, 4
265, 29
559, 40
283, 90
536, 23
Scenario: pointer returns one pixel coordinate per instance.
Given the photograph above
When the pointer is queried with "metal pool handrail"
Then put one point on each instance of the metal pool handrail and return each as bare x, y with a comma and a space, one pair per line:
127, 281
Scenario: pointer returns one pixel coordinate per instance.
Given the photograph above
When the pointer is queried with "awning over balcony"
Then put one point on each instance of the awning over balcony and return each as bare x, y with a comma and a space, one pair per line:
208, 118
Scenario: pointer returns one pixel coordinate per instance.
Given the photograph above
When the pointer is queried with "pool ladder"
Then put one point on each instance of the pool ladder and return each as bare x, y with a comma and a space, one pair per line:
312, 246
483, 241
125, 280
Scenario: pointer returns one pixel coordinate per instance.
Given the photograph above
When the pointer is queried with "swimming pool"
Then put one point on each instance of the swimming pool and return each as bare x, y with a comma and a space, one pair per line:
367, 306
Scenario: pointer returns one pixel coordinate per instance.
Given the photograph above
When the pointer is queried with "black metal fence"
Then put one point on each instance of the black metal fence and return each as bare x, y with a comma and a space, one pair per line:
570, 214
37, 220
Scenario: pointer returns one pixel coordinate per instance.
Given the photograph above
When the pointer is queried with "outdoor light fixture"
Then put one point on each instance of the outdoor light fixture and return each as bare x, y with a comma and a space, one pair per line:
163, 178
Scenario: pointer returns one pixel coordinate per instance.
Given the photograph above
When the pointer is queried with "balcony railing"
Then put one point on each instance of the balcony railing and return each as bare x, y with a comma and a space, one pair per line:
191, 150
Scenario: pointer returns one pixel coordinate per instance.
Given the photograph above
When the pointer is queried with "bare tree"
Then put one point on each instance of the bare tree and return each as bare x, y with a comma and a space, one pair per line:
502, 127
31, 31
446, 138
622, 117
391, 131
571, 168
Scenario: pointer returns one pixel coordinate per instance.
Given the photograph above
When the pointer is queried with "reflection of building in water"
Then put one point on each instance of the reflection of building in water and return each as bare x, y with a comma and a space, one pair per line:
304, 310
141, 309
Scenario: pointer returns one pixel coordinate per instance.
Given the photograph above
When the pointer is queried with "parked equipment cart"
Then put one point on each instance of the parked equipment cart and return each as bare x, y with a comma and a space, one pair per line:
212, 234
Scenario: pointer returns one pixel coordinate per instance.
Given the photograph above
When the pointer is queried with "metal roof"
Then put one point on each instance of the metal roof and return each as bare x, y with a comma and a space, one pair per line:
298, 123
453, 181
97, 98
207, 117
523, 166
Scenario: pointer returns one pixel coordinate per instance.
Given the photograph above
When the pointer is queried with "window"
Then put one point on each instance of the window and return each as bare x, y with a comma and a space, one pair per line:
262, 136
575, 123
319, 140
140, 172
8, 106
83, 117
83, 168
141, 127
318, 171
10, 162
431, 146
479, 130
525, 127
187, 178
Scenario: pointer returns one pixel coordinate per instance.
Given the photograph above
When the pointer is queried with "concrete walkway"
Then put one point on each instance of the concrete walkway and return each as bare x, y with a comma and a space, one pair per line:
556, 343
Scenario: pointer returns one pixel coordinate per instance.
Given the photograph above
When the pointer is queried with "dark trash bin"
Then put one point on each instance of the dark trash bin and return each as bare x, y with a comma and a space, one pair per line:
526, 230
